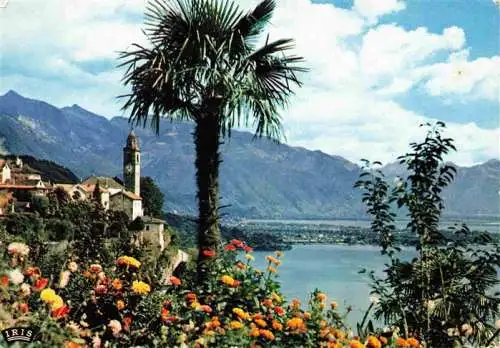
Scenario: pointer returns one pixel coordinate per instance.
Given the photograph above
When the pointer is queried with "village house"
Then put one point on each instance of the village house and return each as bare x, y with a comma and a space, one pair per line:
16, 179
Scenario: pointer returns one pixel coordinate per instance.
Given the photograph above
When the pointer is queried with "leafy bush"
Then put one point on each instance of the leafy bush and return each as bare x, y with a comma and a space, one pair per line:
446, 295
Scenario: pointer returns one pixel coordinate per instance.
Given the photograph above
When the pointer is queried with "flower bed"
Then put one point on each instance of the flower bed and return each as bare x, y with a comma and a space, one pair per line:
86, 305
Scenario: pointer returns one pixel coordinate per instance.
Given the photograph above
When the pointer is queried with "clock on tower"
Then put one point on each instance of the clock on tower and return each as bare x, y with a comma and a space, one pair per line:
131, 165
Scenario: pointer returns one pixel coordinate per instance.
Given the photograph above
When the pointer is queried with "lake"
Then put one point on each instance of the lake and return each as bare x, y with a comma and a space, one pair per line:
333, 269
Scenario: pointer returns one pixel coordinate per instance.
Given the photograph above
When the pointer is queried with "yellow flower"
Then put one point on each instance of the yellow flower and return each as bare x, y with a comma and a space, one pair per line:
48, 295
236, 325
276, 297
279, 254
128, 261
140, 288
227, 280
249, 257
241, 313
57, 303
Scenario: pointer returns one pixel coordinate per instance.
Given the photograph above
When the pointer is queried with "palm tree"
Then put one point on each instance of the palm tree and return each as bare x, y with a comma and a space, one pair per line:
203, 66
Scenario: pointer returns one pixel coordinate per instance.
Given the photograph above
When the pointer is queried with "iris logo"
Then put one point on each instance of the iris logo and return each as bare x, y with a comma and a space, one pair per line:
18, 334
3, 3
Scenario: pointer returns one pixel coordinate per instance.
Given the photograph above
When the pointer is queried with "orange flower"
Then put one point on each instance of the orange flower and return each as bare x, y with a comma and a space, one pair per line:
333, 305
267, 302
71, 344
241, 265
321, 297
383, 340
206, 308
272, 259
23, 307
117, 284
268, 335
247, 249
86, 274
60, 312
295, 304
175, 281
208, 253
294, 323
271, 269
191, 297
307, 315
254, 332
277, 325
261, 322
40, 284
413, 342
120, 305
355, 344
373, 342
401, 342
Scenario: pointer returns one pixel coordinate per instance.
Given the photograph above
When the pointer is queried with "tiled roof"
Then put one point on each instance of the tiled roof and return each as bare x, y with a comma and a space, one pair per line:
104, 181
91, 187
128, 194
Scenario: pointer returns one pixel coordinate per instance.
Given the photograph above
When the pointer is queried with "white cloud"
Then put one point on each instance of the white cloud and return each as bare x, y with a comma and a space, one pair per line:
348, 106
372, 9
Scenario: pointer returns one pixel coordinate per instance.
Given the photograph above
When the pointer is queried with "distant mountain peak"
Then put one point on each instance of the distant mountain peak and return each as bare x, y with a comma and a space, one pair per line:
12, 94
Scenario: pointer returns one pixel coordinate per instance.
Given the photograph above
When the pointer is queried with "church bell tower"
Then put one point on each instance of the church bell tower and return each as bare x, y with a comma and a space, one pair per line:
132, 164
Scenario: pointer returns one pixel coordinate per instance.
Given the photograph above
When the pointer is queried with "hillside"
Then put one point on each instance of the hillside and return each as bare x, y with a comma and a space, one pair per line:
259, 179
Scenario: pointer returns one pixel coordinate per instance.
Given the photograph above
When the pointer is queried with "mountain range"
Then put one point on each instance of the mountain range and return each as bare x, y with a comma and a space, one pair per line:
259, 178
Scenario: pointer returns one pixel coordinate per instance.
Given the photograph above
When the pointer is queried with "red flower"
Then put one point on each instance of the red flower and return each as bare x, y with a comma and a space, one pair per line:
32, 271
208, 253
230, 247
60, 312
206, 308
126, 322
164, 313
101, 289
175, 281
191, 296
247, 249
279, 311
41, 283
23, 307
5, 280
237, 243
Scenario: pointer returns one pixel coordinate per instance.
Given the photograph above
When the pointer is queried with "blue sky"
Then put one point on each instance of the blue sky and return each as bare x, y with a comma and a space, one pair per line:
378, 68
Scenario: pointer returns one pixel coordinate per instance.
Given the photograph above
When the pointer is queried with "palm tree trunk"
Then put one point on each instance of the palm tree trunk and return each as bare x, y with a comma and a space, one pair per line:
206, 138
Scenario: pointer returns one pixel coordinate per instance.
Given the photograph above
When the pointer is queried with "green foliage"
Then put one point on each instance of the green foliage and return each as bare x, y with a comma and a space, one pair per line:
152, 197
446, 294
